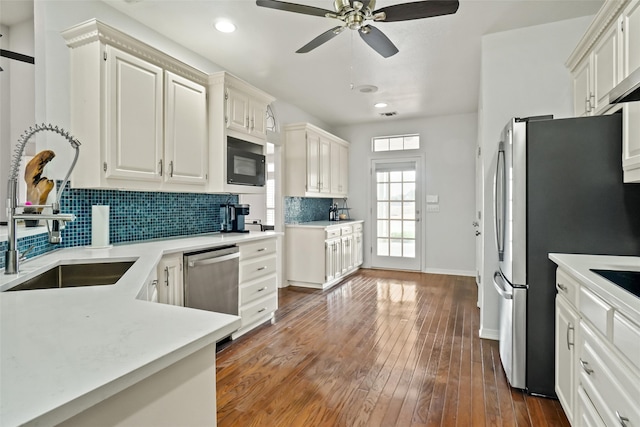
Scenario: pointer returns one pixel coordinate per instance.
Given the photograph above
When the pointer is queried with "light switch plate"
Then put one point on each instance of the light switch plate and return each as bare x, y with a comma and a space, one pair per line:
432, 198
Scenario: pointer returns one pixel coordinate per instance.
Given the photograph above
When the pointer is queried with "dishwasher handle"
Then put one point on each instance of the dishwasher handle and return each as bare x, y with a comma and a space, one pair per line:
214, 260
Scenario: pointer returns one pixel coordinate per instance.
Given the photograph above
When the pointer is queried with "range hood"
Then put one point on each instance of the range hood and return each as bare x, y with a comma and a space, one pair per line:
627, 90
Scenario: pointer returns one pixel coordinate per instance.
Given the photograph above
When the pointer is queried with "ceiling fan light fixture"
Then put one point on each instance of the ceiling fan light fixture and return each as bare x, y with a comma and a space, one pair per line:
380, 104
225, 26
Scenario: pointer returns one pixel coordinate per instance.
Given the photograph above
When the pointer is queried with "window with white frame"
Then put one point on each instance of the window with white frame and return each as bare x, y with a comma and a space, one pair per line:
396, 143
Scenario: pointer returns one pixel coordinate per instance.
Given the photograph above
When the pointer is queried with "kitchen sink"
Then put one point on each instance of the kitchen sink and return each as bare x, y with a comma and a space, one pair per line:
76, 275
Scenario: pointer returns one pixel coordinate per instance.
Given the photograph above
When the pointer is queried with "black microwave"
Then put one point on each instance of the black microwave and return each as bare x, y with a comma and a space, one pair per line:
245, 163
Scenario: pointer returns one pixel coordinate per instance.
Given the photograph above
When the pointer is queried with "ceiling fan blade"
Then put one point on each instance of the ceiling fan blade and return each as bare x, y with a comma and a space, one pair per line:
292, 7
418, 10
378, 41
321, 39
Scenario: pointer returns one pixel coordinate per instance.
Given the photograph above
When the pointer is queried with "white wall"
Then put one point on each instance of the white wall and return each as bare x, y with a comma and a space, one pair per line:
448, 147
16, 99
523, 74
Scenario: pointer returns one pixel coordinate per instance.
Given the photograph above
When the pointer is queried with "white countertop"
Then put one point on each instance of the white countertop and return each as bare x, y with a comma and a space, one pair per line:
324, 224
64, 350
580, 267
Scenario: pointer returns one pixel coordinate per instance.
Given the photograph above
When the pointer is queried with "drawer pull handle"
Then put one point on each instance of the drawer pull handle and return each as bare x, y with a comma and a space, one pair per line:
261, 310
569, 343
262, 289
623, 420
262, 249
562, 287
585, 367
262, 268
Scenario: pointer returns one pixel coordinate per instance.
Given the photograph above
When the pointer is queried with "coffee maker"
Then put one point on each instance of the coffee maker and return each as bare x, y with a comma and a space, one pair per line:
232, 218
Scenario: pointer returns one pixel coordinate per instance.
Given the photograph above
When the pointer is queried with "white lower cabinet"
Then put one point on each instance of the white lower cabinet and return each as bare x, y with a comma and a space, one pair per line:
170, 285
320, 255
258, 298
597, 356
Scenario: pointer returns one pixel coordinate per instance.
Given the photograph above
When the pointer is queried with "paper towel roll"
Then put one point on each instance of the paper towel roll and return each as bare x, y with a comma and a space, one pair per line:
99, 226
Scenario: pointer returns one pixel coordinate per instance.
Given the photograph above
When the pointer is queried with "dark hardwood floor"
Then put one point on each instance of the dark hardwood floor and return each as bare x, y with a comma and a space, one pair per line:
380, 349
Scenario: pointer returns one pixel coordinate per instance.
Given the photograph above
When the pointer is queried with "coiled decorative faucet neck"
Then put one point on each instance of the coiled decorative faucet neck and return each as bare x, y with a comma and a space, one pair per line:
12, 256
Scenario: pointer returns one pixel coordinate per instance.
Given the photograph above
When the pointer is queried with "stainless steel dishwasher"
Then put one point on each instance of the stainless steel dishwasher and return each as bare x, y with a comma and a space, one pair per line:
211, 280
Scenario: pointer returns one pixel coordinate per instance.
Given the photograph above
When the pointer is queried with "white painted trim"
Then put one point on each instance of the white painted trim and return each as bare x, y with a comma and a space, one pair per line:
468, 273
489, 334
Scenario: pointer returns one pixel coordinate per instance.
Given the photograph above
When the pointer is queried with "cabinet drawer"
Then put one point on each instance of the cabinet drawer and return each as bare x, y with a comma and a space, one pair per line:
261, 308
567, 287
626, 337
331, 233
256, 249
587, 414
595, 310
257, 289
345, 230
259, 267
357, 228
612, 389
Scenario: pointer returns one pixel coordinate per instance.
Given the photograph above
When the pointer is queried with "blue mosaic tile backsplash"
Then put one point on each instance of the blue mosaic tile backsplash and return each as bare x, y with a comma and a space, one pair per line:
305, 209
133, 216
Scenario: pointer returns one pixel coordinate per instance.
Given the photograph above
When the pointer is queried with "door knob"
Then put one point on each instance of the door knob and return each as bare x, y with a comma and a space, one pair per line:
478, 233
475, 223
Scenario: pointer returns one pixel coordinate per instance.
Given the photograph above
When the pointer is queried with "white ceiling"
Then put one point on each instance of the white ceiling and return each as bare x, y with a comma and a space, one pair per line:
436, 72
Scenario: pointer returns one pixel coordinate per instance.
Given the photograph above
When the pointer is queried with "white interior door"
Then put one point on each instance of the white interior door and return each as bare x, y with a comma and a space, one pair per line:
396, 214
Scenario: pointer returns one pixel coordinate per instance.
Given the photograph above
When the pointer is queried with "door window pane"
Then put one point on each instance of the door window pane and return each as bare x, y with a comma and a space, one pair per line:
409, 248
395, 191
409, 192
395, 247
383, 247
409, 229
395, 228
383, 228
409, 210
383, 210
383, 191
396, 210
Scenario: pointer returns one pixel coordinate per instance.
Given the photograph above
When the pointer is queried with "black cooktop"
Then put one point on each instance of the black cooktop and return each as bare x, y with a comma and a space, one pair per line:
628, 280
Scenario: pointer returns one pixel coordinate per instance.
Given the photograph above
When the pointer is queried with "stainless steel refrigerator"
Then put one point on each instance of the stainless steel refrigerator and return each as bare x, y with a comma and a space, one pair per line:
558, 188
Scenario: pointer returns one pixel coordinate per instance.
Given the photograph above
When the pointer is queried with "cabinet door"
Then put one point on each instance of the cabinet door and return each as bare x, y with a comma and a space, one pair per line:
581, 86
358, 250
237, 110
605, 69
258, 118
329, 246
134, 117
185, 131
335, 168
565, 361
313, 162
631, 37
343, 175
347, 253
325, 165
170, 283
631, 142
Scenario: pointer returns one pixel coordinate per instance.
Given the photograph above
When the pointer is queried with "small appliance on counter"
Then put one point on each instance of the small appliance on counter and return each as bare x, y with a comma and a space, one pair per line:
232, 218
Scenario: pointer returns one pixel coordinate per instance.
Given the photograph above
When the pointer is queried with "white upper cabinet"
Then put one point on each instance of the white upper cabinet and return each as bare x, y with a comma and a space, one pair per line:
316, 162
134, 113
238, 110
246, 112
186, 137
607, 53
140, 115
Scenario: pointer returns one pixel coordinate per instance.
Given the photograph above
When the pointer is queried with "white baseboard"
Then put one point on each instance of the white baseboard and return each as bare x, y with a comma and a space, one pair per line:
450, 272
489, 334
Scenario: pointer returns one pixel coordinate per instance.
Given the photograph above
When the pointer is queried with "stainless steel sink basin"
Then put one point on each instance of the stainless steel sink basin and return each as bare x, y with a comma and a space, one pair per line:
74, 275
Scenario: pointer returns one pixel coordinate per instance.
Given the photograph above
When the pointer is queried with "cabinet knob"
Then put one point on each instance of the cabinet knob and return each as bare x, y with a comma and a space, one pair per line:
622, 420
585, 367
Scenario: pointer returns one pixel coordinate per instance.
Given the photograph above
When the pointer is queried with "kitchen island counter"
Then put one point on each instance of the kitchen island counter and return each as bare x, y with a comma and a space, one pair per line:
65, 350
324, 224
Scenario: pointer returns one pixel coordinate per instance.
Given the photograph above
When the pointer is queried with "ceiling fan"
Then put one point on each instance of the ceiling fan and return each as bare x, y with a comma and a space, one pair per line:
354, 15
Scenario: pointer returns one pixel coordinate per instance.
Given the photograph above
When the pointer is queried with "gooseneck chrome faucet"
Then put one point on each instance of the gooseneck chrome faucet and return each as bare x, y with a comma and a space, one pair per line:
11, 257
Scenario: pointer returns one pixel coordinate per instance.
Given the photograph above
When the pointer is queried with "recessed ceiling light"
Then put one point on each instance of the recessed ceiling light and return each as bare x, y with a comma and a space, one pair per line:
225, 26
366, 88
380, 104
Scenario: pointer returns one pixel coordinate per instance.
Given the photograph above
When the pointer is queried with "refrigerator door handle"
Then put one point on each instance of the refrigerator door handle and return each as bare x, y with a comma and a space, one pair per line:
499, 201
501, 287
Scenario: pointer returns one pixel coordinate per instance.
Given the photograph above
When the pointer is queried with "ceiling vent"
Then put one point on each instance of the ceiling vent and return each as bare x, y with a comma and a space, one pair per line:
389, 113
